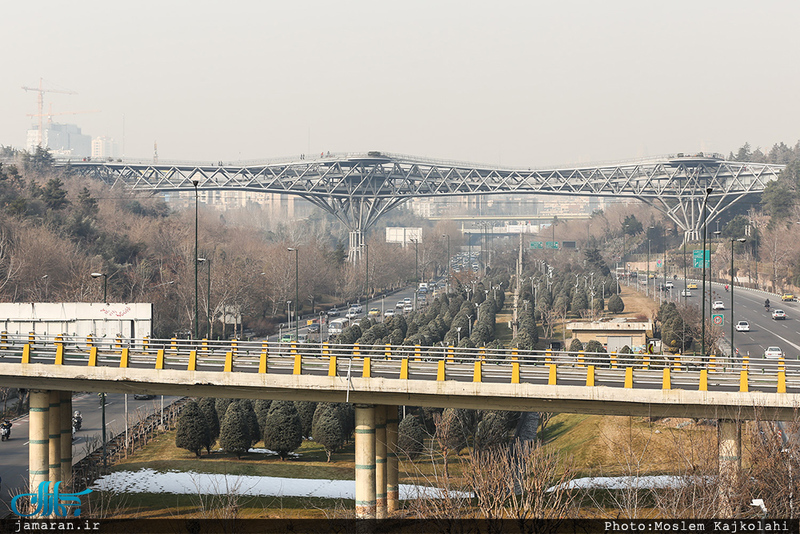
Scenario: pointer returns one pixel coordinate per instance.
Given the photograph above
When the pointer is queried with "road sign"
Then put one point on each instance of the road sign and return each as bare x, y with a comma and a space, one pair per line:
536, 244
717, 319
697, 258
551, 244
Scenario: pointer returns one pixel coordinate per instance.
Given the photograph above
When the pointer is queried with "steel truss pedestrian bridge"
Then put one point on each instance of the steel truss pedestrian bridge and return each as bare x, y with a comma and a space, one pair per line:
358, 188
379, 378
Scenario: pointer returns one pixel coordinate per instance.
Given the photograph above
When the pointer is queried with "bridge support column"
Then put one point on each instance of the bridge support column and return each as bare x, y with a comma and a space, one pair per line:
729, 436
54, 425
392, 489
66, 438
38, 443
365, 461
380, 462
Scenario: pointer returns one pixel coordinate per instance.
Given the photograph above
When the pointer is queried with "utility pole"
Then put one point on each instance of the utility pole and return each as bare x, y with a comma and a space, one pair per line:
515, 321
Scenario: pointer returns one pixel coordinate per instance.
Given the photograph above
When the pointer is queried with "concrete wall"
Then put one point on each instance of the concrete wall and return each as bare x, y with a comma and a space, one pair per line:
134, 320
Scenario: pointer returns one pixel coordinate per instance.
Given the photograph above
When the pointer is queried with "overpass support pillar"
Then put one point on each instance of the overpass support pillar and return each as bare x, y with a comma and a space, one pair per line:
365, 461
392, 489
54, 426
66, 438
380, 462
729, 435
39, 444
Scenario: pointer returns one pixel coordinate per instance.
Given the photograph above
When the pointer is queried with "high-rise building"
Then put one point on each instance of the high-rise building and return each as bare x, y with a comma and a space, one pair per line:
104, 147
63, 140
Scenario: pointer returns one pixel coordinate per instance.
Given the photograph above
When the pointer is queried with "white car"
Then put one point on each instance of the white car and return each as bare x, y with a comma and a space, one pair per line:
686, 293
400, 304
351, 313
669, 284
718, 305
408, 308
773, 352
742, 326
388, 313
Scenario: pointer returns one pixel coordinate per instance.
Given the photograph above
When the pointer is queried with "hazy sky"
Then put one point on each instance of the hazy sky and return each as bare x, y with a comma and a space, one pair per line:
520, 83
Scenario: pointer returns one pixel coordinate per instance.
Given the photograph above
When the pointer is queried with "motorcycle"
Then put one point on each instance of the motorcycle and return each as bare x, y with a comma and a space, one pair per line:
5, 432
76, 422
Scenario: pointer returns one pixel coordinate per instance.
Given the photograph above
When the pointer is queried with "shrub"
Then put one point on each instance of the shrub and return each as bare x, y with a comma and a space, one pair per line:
192, 431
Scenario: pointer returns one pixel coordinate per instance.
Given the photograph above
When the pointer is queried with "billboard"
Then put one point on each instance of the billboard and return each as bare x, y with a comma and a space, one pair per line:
403, 235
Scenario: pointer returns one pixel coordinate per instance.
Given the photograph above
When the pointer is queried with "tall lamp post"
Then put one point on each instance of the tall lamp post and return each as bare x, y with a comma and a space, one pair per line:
296, 293
647, 280
448, 262
103, 395
366, 289
416, 268
196, 227
740, 240
207, 261
703, 295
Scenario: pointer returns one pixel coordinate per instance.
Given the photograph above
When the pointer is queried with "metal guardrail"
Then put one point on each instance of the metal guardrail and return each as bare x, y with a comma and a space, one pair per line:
403, 362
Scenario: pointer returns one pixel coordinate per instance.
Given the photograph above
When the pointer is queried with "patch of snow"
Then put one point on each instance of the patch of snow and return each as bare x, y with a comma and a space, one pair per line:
193, 483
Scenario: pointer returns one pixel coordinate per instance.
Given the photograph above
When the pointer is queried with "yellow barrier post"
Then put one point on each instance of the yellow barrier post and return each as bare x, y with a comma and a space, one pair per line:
59, 350
26, 353
703, 380
173, 346
3, 340
781, 382
92, 356
712, 363
743, 382
204, 346
482, 353
629, 377
645, 361
228, 362
387, 352
118, 344
298, 364
235, 346
124, 358
160, 359
192, 360
450, 352
90, 341
476, 375
417, 353
552, 377
262, 361
581, 356
440, 371
613, 360
325, 349
356, 351
548, 356
404, 369
145, 343
666, 382
332, 366
590, 376
514, 371
367, 373
677, 362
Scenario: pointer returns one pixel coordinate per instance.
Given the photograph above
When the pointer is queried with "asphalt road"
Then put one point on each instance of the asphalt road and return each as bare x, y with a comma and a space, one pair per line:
14, 453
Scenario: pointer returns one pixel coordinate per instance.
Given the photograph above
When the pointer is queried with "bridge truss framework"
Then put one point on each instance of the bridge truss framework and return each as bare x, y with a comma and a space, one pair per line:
359, 188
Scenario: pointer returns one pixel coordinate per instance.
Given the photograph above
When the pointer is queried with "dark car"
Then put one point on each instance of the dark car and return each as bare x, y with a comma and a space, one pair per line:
143, 396
313, 328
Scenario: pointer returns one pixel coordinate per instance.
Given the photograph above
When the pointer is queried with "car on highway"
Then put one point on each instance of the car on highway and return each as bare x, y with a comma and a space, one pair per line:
388, 313
691, 285
718, 305
686, 293
773, 352
788, 297
778, 314
143, 396
400, 304
742, 326
408, 308
352, 313
333, 312
669, 284
287, 338
313, 328
374, 312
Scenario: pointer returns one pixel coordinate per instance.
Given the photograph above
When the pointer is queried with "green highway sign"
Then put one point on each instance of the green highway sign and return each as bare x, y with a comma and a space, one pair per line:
536, 244
718, 319
551, 244
697, 258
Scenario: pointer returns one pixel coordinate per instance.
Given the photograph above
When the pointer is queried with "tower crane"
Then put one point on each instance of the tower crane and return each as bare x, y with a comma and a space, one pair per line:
41, 91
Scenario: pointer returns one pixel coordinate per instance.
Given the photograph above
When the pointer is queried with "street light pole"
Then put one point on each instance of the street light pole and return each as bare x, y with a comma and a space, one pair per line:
366, 291
196, 227
740, 240
296, 294
703, 295
207, 261
103, 395
448, 261
647, 284
416, 268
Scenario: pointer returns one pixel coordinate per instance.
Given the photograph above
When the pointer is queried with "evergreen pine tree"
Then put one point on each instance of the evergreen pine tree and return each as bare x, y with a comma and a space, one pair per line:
234, 436
306, 409
252, 421
222, 408
327, 427
261, 407
209, 411
283, 431
410, 437
192, 431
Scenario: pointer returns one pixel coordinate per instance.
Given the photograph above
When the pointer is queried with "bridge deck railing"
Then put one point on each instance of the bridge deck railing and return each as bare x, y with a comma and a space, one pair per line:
411, 362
